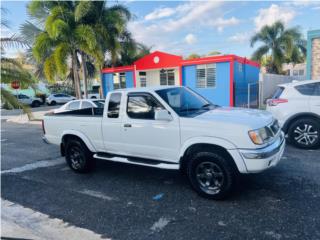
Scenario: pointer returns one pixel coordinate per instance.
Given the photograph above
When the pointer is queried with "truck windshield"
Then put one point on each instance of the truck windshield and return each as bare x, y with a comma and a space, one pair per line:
185, 102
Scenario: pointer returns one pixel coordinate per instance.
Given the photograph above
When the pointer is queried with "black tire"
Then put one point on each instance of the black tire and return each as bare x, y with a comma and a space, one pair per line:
305, 133
78, 156
93, 97
223, 175
53, 103
35, 104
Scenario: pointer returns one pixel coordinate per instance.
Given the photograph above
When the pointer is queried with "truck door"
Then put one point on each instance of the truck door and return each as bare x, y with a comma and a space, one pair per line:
112, 125
146, 137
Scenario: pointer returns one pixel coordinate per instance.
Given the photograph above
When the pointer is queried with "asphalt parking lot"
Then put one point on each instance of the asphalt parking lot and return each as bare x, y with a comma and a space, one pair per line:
122, 201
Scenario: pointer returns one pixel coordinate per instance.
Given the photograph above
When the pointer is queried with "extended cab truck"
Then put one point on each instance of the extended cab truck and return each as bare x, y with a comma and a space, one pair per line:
170, 128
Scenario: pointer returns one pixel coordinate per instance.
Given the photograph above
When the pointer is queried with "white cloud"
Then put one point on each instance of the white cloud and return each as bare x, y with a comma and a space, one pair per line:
221, 23
268, 16
240, 37
190, 39
303, 3
166, 28
160, 13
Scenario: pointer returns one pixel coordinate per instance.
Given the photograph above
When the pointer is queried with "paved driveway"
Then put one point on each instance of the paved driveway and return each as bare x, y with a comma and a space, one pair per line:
121, 201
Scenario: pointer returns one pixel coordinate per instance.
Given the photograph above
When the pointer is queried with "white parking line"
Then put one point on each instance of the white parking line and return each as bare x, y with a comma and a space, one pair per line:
32, 166
20, 222
96, 194
160, 224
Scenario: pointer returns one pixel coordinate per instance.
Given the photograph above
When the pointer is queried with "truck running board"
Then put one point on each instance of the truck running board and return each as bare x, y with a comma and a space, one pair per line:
137, 161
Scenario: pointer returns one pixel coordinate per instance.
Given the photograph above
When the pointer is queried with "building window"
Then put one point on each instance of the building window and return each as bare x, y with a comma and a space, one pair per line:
119, 80
206, 76
167, 77
143, 79
240, 67
301, 72
295, 72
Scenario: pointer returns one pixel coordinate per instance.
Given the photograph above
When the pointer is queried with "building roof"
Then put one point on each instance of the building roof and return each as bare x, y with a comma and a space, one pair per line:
159, 60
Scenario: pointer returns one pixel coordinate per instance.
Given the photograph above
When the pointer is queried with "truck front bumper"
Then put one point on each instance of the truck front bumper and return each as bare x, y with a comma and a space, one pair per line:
260, 159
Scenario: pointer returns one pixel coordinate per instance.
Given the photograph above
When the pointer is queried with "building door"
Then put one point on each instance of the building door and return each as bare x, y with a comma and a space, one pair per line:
167, 77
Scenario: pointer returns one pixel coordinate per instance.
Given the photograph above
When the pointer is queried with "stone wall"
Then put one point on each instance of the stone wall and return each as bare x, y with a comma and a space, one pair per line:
315, 59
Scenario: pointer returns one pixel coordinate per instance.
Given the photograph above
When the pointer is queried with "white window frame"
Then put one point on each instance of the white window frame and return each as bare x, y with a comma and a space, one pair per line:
167, 72
202, 78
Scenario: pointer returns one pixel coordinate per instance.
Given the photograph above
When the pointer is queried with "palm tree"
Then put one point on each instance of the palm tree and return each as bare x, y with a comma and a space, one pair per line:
76, 31
110, 25
12, 70
282, 45
62, 41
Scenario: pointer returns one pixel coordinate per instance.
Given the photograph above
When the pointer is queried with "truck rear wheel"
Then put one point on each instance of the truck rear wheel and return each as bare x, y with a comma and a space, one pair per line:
78, 156
211, 175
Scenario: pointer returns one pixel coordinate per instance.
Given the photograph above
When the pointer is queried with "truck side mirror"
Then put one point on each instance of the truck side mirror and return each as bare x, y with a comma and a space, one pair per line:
162, 115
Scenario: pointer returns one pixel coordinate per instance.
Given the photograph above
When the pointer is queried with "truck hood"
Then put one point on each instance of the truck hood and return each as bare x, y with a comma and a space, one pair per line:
252, 118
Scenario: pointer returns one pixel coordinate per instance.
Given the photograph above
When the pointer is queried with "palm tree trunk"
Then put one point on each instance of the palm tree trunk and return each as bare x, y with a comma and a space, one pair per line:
84, 72
76, 76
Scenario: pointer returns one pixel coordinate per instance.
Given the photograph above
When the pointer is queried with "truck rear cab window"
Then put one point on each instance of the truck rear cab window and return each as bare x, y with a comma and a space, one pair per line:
142, 106
309, 89
278, 93
114, 105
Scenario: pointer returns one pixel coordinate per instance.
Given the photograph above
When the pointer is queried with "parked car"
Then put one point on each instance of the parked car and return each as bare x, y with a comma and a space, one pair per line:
297, 107
170, 128
31, 101
59, 98
80, 104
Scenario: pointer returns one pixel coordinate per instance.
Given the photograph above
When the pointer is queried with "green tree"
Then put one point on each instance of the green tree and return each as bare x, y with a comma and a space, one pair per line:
62, 39
213, 53
77, 30
193, 56
110, 25
281, 44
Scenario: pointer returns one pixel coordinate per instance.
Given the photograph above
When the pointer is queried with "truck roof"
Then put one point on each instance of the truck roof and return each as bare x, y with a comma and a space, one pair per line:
296, 83
144, 89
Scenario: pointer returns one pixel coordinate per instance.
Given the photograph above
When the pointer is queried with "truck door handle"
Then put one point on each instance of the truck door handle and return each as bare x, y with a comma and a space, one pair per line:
127, 125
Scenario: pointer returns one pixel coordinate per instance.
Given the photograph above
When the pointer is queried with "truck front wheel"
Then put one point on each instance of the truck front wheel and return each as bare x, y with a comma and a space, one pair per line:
78, 156
211, 175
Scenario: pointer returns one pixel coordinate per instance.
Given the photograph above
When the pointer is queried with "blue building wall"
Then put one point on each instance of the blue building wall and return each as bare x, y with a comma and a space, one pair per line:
129, 80
243, 75
220, 94
107, 83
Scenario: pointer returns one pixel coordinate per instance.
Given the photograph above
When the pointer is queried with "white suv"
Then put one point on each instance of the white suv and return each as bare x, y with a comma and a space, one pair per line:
31, 101
59, 98
297, 107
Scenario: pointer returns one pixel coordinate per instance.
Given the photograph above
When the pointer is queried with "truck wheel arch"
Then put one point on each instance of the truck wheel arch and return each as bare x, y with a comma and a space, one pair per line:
220, 146
79, 135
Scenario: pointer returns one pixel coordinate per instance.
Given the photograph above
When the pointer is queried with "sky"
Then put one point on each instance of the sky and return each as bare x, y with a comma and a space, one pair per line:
186, 27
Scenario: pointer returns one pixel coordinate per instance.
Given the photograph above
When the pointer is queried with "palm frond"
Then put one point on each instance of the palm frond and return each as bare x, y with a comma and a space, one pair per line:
9, 99
261, 51
12, 41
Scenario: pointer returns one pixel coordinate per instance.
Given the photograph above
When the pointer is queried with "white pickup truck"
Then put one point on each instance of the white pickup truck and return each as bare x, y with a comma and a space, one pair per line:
170, 128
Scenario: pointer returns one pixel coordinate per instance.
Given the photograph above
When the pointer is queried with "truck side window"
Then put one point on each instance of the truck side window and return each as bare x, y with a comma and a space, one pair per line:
114, 105
142, 106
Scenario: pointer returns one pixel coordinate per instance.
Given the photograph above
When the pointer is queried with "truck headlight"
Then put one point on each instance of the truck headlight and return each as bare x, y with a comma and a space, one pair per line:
259, 136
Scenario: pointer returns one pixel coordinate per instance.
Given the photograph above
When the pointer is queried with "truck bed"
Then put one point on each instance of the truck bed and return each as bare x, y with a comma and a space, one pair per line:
86, 121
